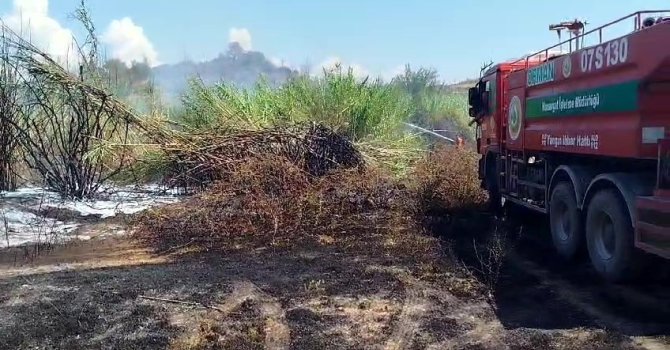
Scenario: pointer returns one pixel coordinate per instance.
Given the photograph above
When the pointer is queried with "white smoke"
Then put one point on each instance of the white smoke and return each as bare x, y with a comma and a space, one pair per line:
128, 43
30, 19
241, 36
280, 62
398, 70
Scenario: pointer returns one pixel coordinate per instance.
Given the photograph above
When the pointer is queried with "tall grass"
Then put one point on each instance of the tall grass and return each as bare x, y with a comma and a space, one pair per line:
371, 113
433, 104
448, 110
358, 109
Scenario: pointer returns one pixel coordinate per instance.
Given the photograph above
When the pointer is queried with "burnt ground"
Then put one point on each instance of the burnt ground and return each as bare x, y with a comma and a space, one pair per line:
537, 290
323, 293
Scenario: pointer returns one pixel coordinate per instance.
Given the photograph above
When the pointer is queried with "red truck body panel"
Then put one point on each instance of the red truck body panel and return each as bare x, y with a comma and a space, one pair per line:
609, 100
493, 129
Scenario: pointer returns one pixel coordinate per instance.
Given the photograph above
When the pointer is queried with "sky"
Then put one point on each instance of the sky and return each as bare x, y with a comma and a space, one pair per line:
455, 37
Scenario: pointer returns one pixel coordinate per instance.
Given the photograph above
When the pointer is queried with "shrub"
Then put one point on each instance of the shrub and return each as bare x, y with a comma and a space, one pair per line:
446, 182
272, 199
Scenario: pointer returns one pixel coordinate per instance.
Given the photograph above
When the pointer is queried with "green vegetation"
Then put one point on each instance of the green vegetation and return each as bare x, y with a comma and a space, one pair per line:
433, 103
359, 109
85, 106
371, 113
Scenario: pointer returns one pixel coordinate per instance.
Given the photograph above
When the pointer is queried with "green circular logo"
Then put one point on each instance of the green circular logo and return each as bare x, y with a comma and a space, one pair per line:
567, 66
514, 118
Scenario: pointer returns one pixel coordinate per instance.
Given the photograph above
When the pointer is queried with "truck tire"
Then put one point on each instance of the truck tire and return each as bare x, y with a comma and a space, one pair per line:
610, 237
567, 227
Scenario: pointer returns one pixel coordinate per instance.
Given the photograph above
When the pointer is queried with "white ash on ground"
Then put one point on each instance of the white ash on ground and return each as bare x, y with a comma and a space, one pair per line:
23, 219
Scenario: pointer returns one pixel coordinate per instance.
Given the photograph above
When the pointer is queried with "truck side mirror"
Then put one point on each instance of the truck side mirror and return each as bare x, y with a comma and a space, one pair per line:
473, 96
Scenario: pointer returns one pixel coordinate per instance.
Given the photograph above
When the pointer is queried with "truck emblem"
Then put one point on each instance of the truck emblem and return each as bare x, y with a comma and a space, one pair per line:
567, 66
514, 117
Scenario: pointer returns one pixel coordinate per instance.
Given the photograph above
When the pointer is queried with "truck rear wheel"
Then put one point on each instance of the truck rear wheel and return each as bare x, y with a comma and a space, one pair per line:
610, 237
567, 228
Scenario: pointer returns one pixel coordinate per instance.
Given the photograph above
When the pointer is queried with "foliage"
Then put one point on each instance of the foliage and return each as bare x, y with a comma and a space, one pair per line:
359, 109
371, 113
432, 104
417, 82
356, 109
446, 180
76, 135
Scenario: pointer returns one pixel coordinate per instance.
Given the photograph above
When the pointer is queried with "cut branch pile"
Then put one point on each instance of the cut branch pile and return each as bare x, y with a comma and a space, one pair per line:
198, 160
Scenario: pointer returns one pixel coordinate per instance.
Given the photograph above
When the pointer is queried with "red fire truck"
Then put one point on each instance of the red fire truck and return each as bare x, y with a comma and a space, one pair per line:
580, 132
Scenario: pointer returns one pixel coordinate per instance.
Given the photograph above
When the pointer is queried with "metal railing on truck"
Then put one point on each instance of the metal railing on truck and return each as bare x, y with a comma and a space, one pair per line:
638, 25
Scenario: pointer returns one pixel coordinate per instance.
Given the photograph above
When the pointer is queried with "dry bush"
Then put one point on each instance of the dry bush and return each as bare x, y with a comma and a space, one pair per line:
253, 202
266, 200
60, 119
446, 182
10, 110
351, 199
450, 202
271, 200
197, 160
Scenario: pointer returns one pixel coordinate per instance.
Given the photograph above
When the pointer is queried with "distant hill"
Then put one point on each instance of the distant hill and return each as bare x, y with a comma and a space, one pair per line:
235, 66
462, 86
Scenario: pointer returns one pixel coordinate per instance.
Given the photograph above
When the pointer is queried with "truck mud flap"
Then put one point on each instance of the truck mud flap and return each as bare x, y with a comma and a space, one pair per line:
652, 232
